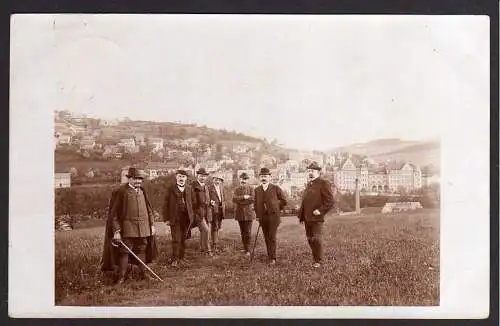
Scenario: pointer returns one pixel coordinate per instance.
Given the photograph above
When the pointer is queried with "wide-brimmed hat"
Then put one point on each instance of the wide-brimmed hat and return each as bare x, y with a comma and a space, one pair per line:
136, 173
244, 176
264, 171
202, 171
314, 166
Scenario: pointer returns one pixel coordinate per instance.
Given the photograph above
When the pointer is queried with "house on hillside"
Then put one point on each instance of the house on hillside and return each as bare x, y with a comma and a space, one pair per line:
62, 180
156, 144
140, 139
129, 145
64, 139
240, 148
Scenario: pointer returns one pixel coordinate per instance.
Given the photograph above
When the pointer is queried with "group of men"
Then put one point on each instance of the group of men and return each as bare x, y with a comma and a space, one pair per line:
130, 226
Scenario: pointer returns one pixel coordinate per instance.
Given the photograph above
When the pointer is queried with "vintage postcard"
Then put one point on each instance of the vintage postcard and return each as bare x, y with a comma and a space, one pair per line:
251, 166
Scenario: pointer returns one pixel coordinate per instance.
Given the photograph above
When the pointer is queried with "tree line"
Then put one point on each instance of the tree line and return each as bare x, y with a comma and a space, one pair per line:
77, 203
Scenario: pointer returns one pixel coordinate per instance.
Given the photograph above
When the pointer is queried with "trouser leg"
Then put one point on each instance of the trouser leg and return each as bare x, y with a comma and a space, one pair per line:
272, 231
245, 230
214, 233
177, 240
265, 231
314, 232
204, 234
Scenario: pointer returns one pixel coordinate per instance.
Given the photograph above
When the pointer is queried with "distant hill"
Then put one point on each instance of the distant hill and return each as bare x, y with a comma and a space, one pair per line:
417, 152
168, 130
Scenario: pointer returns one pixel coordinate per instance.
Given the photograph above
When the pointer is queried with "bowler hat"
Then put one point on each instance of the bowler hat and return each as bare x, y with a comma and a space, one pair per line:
135, 173
182, 172
244, 176
264, 171
202, 171
314, 166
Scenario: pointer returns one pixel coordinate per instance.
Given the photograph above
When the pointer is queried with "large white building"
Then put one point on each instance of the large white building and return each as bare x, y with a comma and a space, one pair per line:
390, 178
62, 180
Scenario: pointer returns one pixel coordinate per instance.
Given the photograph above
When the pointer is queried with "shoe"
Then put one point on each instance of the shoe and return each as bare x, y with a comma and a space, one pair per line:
272, 262
120, 280
247, 253
316, 265
175, 263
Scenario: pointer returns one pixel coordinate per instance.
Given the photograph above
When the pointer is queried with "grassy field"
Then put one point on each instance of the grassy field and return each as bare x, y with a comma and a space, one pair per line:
372, 259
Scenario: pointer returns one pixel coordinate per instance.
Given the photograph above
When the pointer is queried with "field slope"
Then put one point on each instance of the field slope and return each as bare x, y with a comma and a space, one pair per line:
369, 260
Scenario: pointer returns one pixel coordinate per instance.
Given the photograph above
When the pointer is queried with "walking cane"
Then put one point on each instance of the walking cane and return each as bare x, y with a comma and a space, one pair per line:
140, 261
255, 243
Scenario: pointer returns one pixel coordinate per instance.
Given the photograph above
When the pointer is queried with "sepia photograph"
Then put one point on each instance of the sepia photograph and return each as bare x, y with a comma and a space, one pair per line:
250, 160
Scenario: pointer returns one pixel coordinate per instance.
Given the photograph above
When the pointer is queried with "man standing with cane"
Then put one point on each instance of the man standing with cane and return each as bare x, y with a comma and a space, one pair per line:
269, 201
131, 223
316, 202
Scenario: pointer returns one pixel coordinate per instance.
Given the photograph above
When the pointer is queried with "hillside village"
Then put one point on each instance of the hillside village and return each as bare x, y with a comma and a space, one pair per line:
81, 143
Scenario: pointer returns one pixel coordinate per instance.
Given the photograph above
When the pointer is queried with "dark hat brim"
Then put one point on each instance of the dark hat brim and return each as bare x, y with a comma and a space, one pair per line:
135, 176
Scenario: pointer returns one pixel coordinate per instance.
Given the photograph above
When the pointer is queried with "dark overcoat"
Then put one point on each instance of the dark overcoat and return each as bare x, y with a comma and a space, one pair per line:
274, 196
201, 202
243, 210
170, 210
317, 195
111, 254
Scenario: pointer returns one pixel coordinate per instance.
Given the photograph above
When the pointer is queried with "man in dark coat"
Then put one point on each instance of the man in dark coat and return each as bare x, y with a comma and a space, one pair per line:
202, 209
243, 198
316, 202
178, 213
218, 206
131, 220
269, 201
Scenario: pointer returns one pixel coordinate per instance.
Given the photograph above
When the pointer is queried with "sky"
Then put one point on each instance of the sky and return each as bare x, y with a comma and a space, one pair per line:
311, 82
